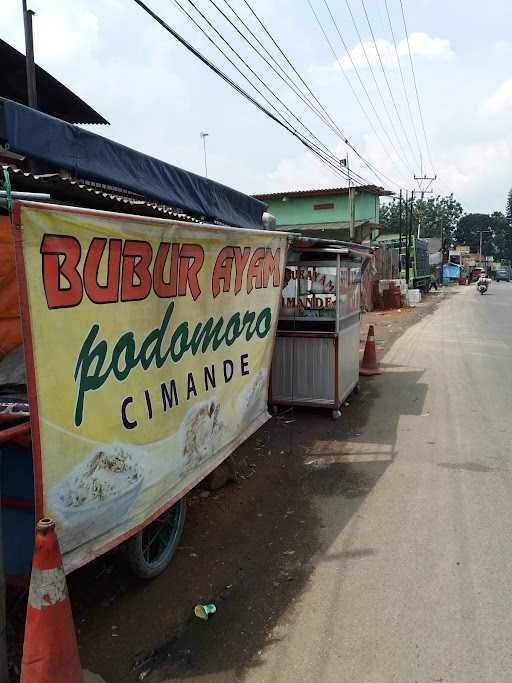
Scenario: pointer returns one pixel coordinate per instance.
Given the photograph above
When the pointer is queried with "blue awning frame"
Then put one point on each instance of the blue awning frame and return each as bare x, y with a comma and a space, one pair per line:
45, 138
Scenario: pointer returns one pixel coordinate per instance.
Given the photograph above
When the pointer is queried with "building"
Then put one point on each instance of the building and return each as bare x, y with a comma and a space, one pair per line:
326, 213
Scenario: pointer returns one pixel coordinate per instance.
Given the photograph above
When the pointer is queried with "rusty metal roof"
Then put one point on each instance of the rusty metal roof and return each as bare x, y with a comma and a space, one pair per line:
53, 97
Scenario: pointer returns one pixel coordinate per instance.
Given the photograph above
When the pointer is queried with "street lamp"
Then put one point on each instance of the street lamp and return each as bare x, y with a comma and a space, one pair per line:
204, 135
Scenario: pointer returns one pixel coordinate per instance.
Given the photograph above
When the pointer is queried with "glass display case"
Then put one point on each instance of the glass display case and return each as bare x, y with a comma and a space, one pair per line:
316, 356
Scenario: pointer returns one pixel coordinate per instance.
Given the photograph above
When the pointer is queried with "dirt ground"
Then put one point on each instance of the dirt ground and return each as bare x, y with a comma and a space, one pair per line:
248, 547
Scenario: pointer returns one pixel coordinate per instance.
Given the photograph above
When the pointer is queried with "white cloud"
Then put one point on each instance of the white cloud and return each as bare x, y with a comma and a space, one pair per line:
500, 101
158, 98
56, 36
300, 172
470, 168
422, 45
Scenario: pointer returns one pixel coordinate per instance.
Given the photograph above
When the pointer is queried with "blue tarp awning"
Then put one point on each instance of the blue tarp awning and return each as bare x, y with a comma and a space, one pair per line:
91, 156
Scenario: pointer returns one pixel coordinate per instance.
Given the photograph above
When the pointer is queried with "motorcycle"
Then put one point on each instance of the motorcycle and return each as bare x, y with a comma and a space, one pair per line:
483, 287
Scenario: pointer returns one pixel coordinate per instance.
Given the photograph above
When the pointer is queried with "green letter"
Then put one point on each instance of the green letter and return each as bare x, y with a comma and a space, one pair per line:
265, 316
89, 382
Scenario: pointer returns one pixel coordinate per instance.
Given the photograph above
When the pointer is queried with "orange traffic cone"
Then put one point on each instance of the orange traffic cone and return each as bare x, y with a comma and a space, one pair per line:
369, 363
50, 650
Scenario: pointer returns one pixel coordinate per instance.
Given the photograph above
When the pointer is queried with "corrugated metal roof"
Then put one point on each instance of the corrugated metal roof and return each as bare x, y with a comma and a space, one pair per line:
335, 225
90, 194
53, 97
325, 192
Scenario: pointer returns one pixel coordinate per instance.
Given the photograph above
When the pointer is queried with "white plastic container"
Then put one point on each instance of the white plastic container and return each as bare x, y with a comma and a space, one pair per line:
413, 297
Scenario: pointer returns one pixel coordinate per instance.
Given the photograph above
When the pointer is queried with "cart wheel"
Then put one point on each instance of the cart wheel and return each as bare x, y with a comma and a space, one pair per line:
336, 414
357, 389
151, 550
274, 409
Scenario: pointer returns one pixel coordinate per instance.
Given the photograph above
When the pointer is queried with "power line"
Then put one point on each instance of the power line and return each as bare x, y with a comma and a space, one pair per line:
386, 79
247, 66
224, 76
279, 118
370, 122
287, 60
404, 159
320, 112
370, 166
332, 125
286, 78
416, 88
327, 154
406, 94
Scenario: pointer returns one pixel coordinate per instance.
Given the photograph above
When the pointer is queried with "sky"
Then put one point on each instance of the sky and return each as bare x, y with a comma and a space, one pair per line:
159, 98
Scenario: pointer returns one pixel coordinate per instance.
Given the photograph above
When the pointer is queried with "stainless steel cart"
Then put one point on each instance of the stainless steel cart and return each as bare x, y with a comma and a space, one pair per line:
316, 356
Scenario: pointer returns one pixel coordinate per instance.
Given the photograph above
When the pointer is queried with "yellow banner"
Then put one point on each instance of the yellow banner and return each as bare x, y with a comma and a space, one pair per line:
152, 342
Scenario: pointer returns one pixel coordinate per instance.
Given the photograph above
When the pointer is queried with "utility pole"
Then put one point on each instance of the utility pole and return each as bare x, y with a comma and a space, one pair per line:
441, 279
424, 189
29, 56
400, 234
408, 227
351, 199
428, 180
480, 252
407, 237
204, 135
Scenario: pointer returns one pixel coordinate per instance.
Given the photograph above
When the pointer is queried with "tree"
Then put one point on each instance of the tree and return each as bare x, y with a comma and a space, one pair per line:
434, 215
502, 234
497, 242
389, 216
468, 232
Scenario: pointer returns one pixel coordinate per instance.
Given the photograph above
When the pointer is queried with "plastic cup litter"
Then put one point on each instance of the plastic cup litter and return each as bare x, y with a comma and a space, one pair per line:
204, 611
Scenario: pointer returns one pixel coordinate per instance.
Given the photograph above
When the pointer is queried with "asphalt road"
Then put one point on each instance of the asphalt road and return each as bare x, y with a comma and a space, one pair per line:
408, 572
418, 585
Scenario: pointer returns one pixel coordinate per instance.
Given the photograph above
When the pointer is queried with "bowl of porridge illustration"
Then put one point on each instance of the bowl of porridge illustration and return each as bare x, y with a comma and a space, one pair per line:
202, 431
253, 399
98, 493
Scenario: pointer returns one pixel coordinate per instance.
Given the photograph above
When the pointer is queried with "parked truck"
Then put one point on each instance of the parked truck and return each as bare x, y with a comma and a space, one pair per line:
419, 266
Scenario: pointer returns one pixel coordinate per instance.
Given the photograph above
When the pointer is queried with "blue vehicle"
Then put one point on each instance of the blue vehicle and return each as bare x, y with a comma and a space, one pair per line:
503, 274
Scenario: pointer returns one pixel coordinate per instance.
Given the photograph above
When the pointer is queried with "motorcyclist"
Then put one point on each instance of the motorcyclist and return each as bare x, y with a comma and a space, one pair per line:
483, 279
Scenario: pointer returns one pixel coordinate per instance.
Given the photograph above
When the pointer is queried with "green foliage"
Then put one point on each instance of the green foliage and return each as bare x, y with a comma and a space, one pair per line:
468, 232
502, 230
497, 242
446, 214
434, 215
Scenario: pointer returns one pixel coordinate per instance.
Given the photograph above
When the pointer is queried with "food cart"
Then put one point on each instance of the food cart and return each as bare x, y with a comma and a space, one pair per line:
316, 356
135, 350
147, 346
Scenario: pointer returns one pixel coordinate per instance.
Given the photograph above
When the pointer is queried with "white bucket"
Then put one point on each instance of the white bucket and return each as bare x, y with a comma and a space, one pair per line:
413, 297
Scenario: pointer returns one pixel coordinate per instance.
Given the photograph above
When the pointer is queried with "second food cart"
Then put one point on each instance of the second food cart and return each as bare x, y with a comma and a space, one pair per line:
316, 357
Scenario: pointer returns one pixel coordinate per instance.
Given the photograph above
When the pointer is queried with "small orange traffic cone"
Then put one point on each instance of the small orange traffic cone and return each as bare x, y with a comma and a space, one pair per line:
369, 363
50, 650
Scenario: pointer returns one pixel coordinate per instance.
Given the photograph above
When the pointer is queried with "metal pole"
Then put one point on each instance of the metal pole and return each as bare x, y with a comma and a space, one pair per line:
409, 229
480, 252
441, 280
406, 238
204, 136
29, 59
351, 203
400, 237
